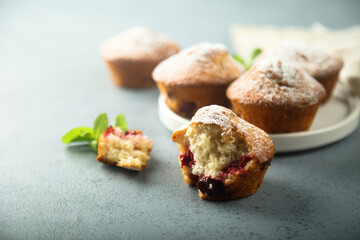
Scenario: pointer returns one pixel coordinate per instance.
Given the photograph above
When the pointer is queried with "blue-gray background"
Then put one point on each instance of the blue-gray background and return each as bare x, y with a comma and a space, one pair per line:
52, 79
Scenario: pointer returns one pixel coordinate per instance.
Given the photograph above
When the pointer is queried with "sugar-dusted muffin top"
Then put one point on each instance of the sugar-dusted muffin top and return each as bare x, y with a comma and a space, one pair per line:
138, 44
316, 62
273, 81
201, 64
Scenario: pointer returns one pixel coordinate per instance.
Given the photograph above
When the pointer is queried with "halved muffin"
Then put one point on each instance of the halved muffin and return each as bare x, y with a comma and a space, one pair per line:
223, 155
196, 77
130, 149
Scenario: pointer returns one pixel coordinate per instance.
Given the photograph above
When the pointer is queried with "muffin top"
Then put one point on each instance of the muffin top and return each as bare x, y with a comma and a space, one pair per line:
199, 65
317, 63
261, 145
138, 44
274, 82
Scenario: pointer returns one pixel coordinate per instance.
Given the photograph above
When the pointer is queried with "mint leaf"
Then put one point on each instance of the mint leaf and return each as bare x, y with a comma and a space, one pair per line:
120, 122
79, 134
254, 55
248, 64
100, 124
94, 145
240, 60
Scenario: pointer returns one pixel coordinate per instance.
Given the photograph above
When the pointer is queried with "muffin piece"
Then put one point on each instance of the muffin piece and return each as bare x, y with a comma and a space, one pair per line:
324, 67
196, 77
129, 150
223, 155
132, 55
276, 97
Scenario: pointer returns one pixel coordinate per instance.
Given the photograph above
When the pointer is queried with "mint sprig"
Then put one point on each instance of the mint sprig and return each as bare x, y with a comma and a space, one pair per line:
100, 124
120, 122
92, 135
247, 64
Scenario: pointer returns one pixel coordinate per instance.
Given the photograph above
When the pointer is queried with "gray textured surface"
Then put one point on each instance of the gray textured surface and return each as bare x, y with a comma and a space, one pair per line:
52, 79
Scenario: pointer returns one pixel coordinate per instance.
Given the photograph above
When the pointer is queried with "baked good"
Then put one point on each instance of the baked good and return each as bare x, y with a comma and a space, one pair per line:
323, 66
132, 55
223, 155
130, 149
276, 97
196, 77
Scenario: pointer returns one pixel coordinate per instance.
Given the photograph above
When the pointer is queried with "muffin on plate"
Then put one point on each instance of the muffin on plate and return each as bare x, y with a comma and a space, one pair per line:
132, 55
196, 77
223, 155
323, 66
276, 97
130, 149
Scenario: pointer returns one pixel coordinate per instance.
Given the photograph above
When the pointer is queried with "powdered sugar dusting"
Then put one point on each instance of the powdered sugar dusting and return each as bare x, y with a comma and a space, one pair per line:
262, 146
272, 81
138, 42
314, 61
202, 63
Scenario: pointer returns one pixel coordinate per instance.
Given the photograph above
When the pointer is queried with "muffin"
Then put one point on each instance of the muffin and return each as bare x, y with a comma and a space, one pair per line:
324, 67
223, 155
132, 55
196, 77
276, 97
130, 149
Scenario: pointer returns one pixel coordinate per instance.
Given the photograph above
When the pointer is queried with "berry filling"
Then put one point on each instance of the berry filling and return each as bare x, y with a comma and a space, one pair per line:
211, 187
108, 131
208, 185
238, 165
131, 133
187, 159
117, 132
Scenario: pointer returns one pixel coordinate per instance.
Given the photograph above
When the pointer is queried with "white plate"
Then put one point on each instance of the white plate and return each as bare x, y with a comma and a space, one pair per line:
334, 121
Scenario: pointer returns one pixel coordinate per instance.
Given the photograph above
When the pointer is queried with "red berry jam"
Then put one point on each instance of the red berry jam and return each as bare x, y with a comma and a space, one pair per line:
237, 165
131, 133
187, 159
108, 131
211, 187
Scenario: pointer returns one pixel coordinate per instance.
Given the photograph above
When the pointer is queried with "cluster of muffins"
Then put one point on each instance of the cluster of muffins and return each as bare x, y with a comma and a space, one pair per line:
224, 153
282, 92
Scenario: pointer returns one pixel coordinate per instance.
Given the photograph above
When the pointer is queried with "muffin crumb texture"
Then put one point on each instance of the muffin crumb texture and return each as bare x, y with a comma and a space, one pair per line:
213, 148
129, 150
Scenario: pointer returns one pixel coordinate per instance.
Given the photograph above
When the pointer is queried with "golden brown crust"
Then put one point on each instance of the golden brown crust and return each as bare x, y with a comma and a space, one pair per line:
277, 119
